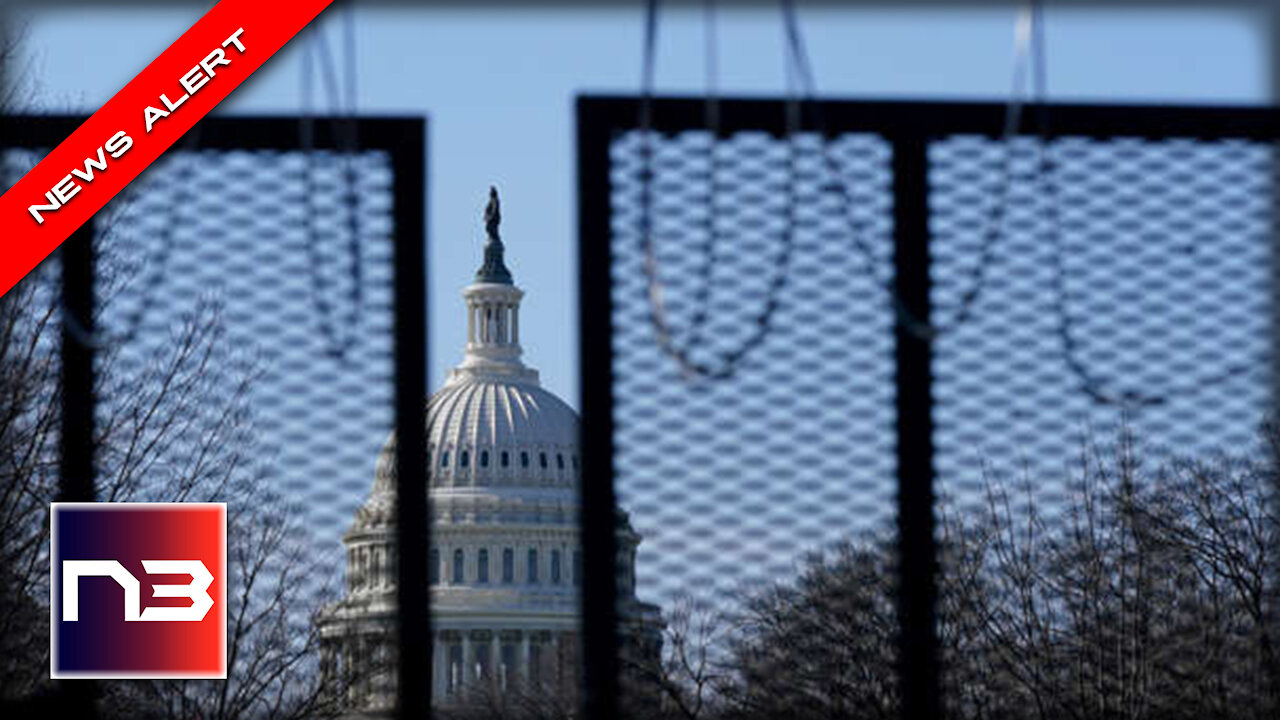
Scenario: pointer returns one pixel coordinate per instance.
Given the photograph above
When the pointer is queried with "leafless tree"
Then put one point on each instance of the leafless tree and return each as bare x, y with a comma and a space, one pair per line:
1129, 590
1140, 593
29, 399
173, 425
518, 701
687, 678
823, 646
1226, 525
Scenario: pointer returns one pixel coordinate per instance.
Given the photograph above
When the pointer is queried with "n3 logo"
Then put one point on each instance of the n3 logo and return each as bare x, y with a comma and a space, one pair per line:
138, 590
201, 579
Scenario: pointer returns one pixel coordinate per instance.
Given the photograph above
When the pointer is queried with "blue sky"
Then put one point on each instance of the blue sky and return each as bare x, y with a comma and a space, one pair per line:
498, 86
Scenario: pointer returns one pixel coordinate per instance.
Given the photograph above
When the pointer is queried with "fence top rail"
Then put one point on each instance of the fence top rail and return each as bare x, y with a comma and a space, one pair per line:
237, 132
939, 118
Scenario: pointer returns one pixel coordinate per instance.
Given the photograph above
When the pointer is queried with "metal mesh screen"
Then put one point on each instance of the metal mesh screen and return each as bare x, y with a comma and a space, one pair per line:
1099, 538
783, 463
250, 339
1140, 288
731, 481
259, 374
1100, 441
257, 276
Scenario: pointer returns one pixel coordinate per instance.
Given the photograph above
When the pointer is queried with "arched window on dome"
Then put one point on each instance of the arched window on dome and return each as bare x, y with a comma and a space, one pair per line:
458, 566
559, 461
508, 565
444, 459
542, 459
524, 459
575, 463
531, 572
506, 458
464, 458
484, 458
433, 568
555, 567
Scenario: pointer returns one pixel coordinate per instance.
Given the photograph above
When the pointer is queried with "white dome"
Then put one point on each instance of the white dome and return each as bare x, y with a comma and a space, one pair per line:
494, 433
523, 421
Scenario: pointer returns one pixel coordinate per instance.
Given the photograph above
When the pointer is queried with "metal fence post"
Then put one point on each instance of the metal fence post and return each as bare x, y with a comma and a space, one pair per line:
599, 521
918, 562
76, 447
414, 647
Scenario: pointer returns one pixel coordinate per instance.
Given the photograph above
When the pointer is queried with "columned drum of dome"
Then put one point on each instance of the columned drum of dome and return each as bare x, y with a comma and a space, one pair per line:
505, 560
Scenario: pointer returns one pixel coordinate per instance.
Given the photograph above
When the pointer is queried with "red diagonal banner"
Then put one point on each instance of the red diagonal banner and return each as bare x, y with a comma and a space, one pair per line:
137, 125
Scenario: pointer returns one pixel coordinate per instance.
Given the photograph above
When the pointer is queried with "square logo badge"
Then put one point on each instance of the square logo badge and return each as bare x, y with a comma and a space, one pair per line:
138, 590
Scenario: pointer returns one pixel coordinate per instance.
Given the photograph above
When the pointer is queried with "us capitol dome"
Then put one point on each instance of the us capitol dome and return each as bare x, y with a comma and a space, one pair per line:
505, 563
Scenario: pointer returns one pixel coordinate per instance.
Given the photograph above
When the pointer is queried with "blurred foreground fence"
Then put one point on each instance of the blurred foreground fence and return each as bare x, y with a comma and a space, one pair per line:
246, 324
922, 420
1015, 387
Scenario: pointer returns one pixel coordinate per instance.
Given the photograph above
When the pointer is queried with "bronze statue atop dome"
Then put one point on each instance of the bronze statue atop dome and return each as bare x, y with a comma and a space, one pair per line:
493, 214
494, 269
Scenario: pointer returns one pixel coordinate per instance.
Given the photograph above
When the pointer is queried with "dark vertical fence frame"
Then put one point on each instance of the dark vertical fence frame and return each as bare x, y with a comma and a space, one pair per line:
409, 166
595, 323
1273, 605
404, 139
76, 449
913, 377
74, 698
909, 127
